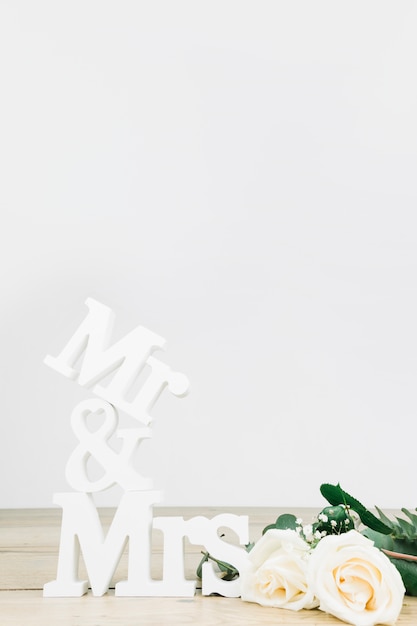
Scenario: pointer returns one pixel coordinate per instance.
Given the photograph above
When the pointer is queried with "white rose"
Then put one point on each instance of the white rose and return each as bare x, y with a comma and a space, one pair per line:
355, 581
276, 573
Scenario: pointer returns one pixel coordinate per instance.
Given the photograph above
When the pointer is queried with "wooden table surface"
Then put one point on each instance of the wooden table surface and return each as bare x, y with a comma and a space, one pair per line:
29, 540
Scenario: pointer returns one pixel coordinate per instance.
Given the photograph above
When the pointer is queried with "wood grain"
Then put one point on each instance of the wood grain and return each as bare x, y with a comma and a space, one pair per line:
29, 542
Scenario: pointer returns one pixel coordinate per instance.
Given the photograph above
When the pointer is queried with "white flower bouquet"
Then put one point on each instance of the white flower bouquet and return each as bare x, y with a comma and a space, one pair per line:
348, 562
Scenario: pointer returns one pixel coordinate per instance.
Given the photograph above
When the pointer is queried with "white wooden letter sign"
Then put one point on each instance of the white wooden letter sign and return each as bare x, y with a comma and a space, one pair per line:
81, 530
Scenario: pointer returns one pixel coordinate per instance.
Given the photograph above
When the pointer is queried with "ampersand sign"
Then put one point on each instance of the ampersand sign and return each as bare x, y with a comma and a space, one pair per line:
117, 466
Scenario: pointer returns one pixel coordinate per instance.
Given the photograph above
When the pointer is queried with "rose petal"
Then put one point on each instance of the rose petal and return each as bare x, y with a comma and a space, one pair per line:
276, 574
355, 581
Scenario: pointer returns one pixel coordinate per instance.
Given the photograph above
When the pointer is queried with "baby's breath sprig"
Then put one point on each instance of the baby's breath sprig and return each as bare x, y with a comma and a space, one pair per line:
335, 520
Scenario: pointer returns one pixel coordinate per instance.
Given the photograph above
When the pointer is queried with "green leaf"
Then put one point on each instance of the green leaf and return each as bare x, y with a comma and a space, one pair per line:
334, 520
401, 528
199, 571
407, 528
385, 519
408, 571
269, 527
336, 495
380, 540
405, 546
370, 520
389, 542
283, 522
228, 571
412, 517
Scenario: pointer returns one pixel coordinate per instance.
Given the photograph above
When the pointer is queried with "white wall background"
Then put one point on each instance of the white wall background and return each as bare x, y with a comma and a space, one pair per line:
240, 178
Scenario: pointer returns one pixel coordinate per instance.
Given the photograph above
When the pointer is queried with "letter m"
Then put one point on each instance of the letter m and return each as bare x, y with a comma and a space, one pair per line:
81, 530
92, 338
